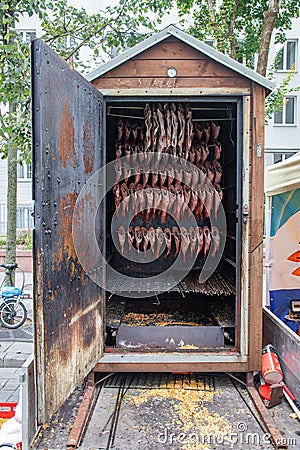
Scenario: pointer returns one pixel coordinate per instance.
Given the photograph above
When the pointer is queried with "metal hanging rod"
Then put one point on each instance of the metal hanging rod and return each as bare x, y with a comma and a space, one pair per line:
125, 117
194, 120
192, 109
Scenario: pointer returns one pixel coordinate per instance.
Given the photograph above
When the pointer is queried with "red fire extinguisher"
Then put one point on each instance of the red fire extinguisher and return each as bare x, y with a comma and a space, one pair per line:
271, 370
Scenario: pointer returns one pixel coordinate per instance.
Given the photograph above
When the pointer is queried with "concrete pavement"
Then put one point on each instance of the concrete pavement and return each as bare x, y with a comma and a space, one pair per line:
15, 348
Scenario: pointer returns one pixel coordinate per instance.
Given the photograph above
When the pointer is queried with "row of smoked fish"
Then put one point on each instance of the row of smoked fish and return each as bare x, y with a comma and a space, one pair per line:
149, 183
195, 241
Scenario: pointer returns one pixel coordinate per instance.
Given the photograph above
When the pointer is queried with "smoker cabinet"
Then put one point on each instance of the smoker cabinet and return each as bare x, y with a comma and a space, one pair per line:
126, 319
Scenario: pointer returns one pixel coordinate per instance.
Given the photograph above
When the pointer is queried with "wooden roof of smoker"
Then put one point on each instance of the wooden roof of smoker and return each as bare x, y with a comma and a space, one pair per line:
172, 31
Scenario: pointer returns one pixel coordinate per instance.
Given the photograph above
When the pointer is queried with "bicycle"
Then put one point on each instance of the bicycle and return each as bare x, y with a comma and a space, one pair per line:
13, 312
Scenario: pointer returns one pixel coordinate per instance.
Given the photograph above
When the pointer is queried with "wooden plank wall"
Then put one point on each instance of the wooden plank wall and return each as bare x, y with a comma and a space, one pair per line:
256, 217
149, 70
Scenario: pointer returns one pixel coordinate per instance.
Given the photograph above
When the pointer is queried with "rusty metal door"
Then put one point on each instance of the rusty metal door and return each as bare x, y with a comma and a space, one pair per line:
68, 150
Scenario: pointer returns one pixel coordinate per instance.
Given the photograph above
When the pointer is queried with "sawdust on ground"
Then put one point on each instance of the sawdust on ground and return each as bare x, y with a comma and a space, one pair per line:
187, 411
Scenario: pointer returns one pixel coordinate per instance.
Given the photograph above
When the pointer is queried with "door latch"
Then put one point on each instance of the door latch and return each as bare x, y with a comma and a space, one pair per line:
245, 214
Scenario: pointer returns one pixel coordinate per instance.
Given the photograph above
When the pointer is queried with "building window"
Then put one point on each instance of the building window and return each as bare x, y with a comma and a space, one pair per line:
24, 217
27, 35
24, 171
286, 56
286, 115
278, 157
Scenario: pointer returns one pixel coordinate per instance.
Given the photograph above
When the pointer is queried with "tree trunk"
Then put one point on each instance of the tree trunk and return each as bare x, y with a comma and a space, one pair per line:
11, 199
269, 24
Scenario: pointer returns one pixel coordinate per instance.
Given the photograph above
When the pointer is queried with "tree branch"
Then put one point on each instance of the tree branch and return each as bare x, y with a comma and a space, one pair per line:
270, 17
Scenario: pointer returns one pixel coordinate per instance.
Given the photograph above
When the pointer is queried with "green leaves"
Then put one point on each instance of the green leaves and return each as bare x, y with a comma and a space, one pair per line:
67, 30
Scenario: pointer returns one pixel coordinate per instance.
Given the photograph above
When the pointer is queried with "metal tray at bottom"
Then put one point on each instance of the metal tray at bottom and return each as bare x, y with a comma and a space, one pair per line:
170, 337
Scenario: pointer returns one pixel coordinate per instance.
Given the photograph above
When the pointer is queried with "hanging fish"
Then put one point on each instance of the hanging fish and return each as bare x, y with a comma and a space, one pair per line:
193, 202
174, 122
198, 154
117, 194
214, 130
201, 201
209, 199
155, 174
118, 169
195, 176
134, 152
172, 199
210, 171
156, 200
138, 238
163, 174
185, 242
204, 152
125, 199
218, 196
148, 125
141, 202
206, 135
140, 154
136, 173
127, 172
192, 155
217, 150
164, 204
155, 128
160, 239
193, 239
120, 130
170, 173
127, 131
130, 238
145, 235
187, 193
188, 130
179, 204
134, 132
178, 175
187, 174
176, 234
127, 150
216, 240
207, 241
118, 150
200, 240
162, 141
181, 121
218, 171
198, 131
152, 239
168, 240
145, 174
122, 237
149, 202
168, 124
219, 191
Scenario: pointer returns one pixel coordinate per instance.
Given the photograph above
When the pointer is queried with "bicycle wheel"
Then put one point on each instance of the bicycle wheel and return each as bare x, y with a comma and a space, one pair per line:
12, 314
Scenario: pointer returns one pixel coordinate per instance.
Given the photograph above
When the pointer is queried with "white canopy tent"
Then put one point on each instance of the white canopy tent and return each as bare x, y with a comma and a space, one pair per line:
283, 237
283, 176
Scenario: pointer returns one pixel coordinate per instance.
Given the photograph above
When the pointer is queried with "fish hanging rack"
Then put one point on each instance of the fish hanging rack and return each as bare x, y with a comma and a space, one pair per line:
123, 116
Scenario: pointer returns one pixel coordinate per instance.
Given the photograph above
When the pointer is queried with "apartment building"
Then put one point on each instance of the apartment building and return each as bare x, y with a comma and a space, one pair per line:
283, 130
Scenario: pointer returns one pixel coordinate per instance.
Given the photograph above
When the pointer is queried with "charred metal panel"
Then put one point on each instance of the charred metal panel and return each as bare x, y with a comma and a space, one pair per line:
68, 150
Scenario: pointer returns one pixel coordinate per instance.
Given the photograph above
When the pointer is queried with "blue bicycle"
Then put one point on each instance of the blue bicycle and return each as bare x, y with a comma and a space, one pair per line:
13, 312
